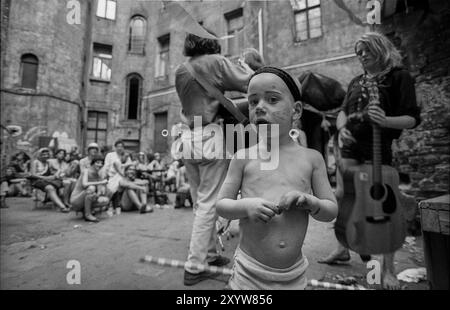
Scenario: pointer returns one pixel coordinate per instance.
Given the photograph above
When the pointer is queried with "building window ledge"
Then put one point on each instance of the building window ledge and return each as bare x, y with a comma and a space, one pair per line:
94, 79
307, 41
136, 53
25, 90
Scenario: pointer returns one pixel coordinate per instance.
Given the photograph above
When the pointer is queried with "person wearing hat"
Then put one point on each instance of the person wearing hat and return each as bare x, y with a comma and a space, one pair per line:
92, 150
42, 178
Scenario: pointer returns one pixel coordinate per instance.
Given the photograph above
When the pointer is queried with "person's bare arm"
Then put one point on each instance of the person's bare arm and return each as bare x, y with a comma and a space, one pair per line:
322, 205
131, 185
227, 206
85, 183
33, 168
118, 168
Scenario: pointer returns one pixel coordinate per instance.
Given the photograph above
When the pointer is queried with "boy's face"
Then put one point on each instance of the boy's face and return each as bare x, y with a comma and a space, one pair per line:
93, 151
60, 155
120, 148
98, 164
45, 155
270, 102
131, 173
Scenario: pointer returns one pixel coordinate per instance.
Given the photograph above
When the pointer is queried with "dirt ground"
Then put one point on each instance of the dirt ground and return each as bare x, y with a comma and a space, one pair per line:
36, 245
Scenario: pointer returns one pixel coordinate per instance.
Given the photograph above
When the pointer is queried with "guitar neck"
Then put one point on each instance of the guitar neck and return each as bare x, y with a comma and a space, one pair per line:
376, 153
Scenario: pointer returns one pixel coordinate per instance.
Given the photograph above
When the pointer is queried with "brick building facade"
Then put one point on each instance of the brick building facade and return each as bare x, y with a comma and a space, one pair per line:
422, 33
112, 75
42, 63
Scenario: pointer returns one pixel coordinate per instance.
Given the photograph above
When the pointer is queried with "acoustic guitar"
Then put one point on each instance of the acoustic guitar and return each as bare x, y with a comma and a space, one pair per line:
370, 218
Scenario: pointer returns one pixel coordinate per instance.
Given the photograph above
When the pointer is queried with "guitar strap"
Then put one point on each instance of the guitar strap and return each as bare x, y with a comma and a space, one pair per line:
217, 94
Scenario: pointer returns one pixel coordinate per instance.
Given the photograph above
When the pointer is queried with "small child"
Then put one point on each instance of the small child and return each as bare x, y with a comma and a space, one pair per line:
275, 204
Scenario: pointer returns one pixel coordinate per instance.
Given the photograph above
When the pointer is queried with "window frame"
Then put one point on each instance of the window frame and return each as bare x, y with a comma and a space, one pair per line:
97, 55
127, 98
97, 129
237, 13
35, 63
163, 48
306, 10
106, 9
130, 37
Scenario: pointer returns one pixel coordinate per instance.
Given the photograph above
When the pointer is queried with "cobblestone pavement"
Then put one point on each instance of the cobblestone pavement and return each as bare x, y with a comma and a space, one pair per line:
36, 245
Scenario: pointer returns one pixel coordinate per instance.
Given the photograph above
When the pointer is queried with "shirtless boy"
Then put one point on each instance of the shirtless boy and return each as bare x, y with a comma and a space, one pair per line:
275, 204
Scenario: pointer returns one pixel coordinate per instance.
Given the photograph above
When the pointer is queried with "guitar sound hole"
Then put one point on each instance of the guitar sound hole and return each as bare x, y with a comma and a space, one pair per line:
377, 191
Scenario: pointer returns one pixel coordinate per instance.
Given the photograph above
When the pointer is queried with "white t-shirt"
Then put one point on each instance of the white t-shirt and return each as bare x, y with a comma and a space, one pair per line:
110, 159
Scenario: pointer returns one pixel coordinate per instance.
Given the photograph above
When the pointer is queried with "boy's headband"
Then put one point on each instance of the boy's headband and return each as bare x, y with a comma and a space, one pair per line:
286, 77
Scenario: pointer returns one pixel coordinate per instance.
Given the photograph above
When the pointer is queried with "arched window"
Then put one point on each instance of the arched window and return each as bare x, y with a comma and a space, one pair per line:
134, 91
29, 69
136, 42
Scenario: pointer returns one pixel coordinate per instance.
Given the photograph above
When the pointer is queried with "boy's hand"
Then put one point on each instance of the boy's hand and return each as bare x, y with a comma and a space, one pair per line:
259, 209
296, 199
345, 137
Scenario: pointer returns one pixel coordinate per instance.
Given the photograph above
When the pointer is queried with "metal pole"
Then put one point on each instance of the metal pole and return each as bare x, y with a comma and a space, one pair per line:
260, 33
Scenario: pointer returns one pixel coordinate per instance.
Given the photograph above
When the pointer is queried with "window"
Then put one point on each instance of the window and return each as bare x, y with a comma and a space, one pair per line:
308, 22
160, 142
102, 60
97, 127
136, 42
162, 60
235, 25
106, 9
29, 70
134, 86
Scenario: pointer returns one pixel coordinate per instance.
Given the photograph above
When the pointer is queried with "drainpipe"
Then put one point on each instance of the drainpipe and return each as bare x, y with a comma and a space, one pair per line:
85, 74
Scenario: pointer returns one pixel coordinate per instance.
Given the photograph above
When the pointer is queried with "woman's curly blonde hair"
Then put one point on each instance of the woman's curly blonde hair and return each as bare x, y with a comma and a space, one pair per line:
384, 50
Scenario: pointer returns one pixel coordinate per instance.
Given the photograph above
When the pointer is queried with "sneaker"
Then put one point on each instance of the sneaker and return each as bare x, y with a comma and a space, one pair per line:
220, 261
194, 278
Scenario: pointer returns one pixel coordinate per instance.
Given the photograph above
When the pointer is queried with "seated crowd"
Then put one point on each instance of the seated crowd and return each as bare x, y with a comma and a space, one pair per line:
120, 181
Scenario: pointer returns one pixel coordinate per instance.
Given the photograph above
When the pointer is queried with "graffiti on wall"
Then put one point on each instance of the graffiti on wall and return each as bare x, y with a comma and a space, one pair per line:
15, 138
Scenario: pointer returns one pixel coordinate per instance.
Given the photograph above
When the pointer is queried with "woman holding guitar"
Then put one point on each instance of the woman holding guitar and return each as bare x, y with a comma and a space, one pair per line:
392, 109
